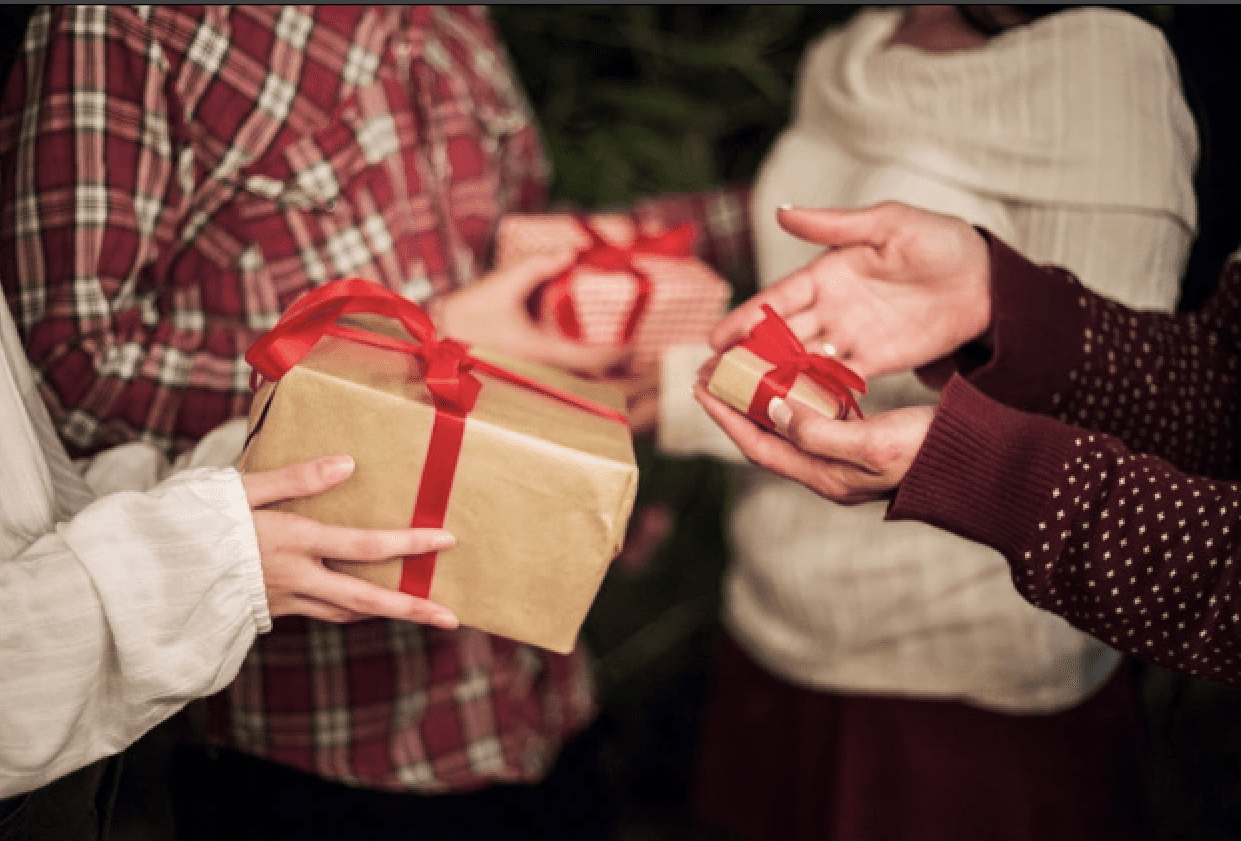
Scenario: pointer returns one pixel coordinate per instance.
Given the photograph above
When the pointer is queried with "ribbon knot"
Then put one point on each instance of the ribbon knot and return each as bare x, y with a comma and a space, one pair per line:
772, 340
609, 257
448, 376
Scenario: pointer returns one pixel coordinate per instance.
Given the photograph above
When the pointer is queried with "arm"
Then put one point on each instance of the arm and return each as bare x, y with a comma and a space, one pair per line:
78, 242
1127, 547
118, 611
902, 288
104, 638
1122, 545
143, 601
1163, 384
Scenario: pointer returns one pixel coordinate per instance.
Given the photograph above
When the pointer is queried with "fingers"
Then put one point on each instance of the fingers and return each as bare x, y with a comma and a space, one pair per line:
291, 605
363, 598
868, 226
763, 449
791, 295
820, 436
298, 480
351, 544
837, 480
336, 597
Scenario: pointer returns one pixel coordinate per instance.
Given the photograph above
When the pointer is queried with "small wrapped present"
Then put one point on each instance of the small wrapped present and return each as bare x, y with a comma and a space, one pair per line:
625, 286
773, 363
531, 469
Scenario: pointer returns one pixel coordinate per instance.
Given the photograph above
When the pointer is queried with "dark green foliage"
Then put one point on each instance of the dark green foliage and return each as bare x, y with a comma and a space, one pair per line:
635, 100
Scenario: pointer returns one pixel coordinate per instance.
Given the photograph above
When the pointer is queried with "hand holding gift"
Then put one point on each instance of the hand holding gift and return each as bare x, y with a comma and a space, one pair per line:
898, 288
772, 363
531, 469
293, 549
493, 311
624, 287
769, 382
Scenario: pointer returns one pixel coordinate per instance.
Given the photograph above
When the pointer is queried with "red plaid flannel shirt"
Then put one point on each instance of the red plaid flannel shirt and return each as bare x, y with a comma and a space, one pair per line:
170, 179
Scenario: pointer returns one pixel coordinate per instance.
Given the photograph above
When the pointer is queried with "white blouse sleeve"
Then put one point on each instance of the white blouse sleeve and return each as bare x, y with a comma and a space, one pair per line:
112, 615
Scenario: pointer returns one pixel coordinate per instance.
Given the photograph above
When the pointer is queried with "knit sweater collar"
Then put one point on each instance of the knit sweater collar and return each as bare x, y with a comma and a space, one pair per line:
1006, 119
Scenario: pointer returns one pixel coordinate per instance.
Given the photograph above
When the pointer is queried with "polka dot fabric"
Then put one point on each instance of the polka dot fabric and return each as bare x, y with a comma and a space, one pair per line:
1118, 509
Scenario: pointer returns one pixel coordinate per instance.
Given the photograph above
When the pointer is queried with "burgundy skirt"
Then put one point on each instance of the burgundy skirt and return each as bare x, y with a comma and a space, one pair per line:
778, 762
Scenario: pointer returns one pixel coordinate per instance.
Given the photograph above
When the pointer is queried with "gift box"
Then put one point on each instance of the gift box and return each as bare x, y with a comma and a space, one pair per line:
625, 286
772, 362
531, 469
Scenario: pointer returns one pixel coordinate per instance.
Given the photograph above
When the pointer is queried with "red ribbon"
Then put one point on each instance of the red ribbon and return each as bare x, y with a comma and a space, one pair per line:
608, 257
772, 340
454, 389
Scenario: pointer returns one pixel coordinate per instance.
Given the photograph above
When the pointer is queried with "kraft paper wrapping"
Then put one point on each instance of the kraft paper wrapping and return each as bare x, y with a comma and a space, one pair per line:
687, 297
738, 373
540, 499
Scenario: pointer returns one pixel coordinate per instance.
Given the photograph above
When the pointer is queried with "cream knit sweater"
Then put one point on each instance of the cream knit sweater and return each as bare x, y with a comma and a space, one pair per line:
1068, 138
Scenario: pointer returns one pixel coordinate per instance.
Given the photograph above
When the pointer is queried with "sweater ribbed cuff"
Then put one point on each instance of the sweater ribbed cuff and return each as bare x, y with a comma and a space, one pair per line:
985, 472
1039, 321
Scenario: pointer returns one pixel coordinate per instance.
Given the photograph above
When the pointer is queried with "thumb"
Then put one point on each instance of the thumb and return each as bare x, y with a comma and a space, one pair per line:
835, 228
812, 433
297, 480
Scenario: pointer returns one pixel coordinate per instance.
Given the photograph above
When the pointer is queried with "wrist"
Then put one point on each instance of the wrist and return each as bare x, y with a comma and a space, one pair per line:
980, 312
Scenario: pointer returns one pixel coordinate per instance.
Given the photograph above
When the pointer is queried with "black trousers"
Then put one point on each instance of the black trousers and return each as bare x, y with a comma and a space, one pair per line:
77, 807
228, 796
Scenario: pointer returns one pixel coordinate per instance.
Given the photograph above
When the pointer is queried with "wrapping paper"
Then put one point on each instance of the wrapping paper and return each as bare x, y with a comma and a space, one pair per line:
539, 490
773, 363
626, 286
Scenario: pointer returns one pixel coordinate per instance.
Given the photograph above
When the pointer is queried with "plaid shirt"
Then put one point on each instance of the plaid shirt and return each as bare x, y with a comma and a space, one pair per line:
170, 179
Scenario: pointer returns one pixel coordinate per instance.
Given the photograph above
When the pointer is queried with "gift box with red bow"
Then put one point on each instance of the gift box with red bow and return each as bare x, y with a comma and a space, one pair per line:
625, 285
531, 469
772, 362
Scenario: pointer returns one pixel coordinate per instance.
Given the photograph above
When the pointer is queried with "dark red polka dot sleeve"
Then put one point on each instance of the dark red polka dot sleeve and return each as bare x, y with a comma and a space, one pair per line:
1112, 493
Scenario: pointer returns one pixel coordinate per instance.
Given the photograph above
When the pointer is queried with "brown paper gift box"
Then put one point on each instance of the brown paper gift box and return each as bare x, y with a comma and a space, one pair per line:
738, 374
540, 499
687, 296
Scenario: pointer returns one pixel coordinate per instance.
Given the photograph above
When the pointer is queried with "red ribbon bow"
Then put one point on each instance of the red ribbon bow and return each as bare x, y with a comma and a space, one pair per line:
608, 257
448, 376
772, 340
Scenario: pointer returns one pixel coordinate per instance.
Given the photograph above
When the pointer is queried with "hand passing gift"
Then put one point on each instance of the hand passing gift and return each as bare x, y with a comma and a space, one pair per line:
771, 363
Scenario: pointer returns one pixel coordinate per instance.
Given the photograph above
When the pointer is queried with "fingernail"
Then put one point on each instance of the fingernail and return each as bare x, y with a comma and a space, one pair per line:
443, 617
785, 206
337, 467
443, 541
780, 414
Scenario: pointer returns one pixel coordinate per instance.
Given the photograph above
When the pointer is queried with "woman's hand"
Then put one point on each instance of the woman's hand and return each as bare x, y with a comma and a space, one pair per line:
492, 312
293, 549
898, 288
846, 461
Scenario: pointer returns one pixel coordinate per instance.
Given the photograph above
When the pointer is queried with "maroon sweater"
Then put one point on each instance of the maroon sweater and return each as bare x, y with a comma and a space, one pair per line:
1113, 491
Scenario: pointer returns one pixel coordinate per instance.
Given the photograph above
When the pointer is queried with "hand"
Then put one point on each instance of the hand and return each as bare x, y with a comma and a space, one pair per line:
293, 549
898, 288
492, 312
846, 461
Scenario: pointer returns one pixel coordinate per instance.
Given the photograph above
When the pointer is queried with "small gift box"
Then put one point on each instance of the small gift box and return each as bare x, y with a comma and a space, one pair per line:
773, 363
625, 286
531, 469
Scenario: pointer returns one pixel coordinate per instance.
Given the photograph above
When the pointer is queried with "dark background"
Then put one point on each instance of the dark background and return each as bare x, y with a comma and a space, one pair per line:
635, 100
